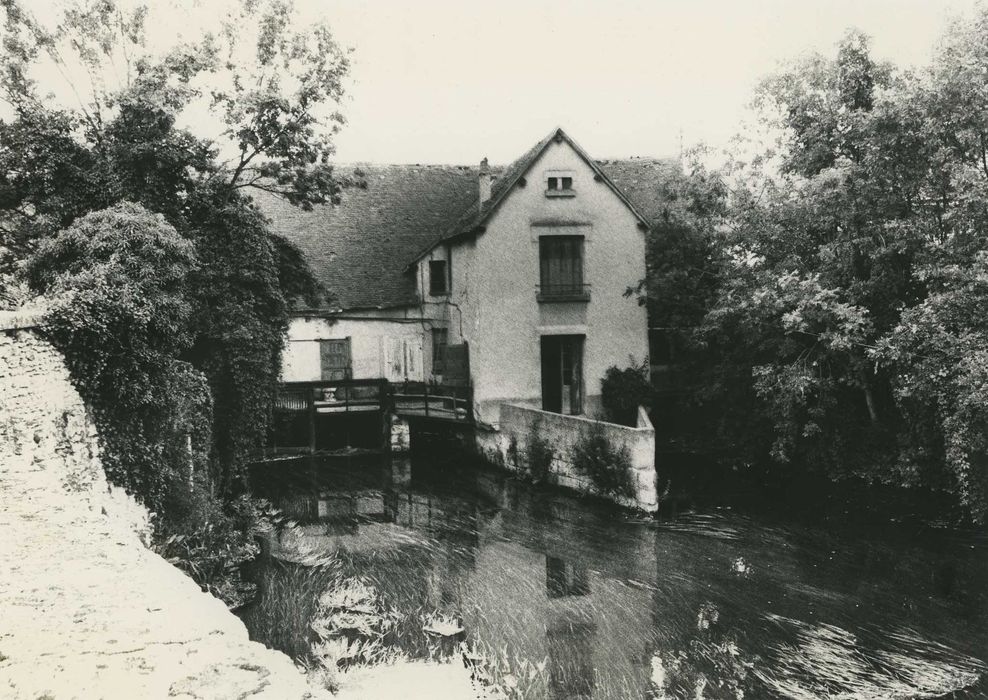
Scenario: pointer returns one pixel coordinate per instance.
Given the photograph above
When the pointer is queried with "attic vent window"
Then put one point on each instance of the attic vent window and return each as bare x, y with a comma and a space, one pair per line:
559, 185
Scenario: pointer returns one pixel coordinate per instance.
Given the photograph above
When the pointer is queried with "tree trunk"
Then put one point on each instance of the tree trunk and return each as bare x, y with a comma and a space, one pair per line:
870, 400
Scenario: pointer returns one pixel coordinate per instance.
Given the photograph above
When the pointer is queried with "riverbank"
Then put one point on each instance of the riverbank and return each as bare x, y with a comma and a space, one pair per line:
88, 610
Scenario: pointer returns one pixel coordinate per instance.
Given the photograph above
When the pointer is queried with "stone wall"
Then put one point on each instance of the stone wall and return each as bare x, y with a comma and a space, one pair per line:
43, 419
562, 432
87, 610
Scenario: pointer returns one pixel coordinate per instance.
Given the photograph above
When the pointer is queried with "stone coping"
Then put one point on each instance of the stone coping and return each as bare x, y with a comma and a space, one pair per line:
644, 423
21, 319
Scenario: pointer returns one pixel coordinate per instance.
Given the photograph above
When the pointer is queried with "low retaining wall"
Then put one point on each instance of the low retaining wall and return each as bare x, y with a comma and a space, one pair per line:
509, 445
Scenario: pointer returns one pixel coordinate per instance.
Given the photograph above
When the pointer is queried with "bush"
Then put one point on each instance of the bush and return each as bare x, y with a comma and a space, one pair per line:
624, 390
539, 453
118, 281
608, 467
210, 540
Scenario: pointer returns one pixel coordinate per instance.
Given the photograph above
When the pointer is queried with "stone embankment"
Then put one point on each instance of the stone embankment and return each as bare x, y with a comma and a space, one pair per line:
86, 610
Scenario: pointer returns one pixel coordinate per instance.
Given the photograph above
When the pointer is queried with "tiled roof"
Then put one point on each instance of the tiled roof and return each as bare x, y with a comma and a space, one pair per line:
647, 182
361, 248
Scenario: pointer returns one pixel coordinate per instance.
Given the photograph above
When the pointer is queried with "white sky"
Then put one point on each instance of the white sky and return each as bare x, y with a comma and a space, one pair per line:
452, 81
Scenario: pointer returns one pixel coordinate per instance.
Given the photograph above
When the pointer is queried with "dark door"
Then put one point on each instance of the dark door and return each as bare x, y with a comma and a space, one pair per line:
562, 373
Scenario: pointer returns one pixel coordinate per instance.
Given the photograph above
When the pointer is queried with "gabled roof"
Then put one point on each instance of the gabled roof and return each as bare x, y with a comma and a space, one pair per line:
474, 218
361, 249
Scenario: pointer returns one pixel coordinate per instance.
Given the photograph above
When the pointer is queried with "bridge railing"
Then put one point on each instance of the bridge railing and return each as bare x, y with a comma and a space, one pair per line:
444, 401
302, 408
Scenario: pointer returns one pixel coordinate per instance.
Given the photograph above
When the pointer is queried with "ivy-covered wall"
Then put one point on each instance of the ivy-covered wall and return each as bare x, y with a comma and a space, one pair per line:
45, 426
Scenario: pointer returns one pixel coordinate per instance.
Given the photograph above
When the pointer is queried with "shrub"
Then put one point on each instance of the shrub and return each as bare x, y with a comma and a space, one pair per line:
513, 450
608, 467
539, 453
210, 540
117, 280
624, 390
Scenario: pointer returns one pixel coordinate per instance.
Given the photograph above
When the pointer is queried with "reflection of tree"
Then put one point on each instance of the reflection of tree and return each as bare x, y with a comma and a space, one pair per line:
710, 663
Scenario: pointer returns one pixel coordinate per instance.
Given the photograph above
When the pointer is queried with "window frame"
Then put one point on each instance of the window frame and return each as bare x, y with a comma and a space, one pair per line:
346, 369
572, 256
559, 183
443, 276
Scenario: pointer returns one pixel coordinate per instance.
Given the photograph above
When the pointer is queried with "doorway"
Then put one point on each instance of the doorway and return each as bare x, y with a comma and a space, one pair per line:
562, 374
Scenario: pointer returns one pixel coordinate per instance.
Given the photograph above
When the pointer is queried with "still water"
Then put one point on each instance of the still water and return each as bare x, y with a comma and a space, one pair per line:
566, 598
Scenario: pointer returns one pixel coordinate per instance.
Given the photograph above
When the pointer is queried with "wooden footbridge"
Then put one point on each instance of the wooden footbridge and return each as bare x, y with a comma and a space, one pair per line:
346, 407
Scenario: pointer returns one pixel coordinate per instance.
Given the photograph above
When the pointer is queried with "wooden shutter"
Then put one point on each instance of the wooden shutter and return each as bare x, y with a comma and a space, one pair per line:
561, 264
334, 359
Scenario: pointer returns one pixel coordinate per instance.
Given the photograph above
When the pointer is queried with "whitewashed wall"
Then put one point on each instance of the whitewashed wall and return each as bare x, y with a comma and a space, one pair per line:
496, 275
379, 348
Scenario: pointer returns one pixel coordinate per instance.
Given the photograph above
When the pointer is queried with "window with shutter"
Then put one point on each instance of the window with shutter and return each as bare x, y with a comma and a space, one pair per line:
334, 359
561, 267
440, 339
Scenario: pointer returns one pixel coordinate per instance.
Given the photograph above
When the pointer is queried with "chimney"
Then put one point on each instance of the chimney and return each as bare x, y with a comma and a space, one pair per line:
484, 182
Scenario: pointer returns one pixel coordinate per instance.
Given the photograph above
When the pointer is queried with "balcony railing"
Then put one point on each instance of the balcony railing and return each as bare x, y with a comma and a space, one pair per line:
566, 291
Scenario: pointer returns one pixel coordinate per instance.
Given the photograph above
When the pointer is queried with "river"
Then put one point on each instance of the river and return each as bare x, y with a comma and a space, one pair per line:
552, 596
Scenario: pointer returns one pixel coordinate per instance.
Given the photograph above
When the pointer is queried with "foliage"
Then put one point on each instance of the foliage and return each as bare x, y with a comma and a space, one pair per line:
169, 296
538, 453
511, 454
211, 539
119, 313
940, 352
832, 322
624, 390
111, 133
283, 614
608, 467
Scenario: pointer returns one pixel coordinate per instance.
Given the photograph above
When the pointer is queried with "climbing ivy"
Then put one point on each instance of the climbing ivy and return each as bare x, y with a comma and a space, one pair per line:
120, 313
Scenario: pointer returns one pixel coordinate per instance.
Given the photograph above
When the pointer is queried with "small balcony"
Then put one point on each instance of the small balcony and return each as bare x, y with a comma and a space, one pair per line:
549, 293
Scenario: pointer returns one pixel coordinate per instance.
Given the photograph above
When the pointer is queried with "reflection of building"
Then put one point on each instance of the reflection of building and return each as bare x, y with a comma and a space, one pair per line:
524, 577
563, 579
571, 659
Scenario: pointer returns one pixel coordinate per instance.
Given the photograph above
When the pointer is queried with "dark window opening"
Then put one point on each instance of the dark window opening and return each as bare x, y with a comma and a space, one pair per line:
437, 278
556, 184
561, 266
440, 341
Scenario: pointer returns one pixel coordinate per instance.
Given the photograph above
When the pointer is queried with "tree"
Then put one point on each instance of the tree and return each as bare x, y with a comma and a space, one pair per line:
273, 79
845, 272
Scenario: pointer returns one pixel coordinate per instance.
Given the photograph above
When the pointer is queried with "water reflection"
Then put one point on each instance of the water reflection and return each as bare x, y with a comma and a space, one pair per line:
580, 603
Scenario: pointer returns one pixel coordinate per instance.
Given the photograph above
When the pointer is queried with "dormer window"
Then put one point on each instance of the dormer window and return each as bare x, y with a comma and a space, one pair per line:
559, 184
437, 278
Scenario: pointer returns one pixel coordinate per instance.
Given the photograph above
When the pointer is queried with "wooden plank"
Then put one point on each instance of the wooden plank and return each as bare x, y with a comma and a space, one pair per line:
312, 420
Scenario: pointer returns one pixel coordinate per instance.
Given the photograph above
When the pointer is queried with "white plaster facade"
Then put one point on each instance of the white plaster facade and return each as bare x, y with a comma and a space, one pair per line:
492, 303
495, 275
389, 348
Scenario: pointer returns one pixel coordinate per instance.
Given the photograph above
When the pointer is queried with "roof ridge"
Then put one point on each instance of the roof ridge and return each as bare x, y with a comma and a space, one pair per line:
364, 164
